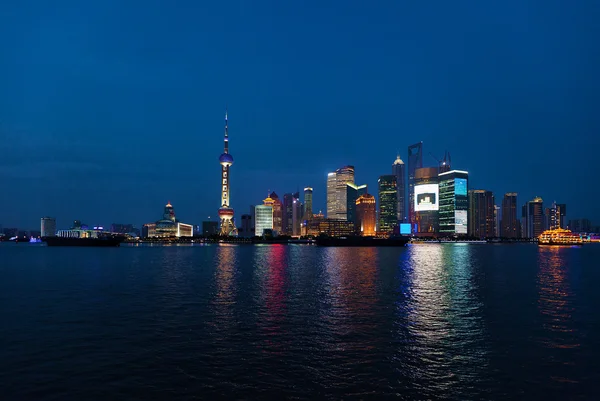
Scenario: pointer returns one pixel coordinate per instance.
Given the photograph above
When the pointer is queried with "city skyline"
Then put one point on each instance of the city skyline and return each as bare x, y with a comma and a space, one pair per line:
105, 116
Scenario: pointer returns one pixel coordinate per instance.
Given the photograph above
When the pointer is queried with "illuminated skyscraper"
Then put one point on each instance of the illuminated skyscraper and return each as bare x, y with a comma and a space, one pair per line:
510, 223
352, 193
292, 214
277, 213
481, 214
337, 199
227, 225
48, 227
497, 220
387, 203
427, 200
263, 219
308, 202
454, 201
415, 161
288, 214
558, 211
533, 218
365, 215
399, 172
296, 214
331, 195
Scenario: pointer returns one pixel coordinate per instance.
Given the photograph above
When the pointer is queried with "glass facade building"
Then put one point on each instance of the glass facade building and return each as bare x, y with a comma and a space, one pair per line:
387, 203
337, 200
481, 214
263, 219
533, 218
454, 202
308, 203
509, 222
353, 192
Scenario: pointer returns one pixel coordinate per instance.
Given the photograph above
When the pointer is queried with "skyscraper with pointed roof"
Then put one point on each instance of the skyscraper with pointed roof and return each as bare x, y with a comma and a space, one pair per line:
399, 173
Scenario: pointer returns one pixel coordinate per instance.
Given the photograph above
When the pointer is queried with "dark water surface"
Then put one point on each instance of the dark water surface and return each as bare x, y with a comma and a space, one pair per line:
445, 321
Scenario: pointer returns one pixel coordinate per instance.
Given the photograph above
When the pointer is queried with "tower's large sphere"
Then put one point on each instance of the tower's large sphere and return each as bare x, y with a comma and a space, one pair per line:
226, 158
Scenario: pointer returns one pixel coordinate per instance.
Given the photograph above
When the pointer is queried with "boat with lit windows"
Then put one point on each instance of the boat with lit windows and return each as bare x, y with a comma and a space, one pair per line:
560, 236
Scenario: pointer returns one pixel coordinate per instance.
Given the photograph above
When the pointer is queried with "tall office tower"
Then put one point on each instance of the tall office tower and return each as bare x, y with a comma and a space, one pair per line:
344, 175
365, 215
533, 218
556, 216
387, 203
48, 227
337, 207
331, 199
510, 223
246, 229
415, 161
352, 193
481, 214
227, 225
427, 200
277, 213
308, 196
287, 226
399, 172
454, 202
497, 220
296, 214
263, 219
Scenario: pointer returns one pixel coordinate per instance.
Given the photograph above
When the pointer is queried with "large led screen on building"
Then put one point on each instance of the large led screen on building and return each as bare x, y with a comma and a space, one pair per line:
460, 186
426, 197
460, 220
405, 229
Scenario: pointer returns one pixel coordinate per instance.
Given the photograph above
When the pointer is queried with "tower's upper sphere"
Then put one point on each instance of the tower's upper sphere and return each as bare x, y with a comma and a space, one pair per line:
226, 158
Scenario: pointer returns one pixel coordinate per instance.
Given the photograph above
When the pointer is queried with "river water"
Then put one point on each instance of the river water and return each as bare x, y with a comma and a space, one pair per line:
428, 321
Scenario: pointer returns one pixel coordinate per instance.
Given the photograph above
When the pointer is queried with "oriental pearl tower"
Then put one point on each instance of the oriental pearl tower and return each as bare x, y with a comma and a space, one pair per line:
227, 226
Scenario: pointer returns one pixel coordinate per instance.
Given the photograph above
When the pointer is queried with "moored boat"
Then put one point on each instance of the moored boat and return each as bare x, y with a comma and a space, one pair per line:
361, 241
84, 237
98, 241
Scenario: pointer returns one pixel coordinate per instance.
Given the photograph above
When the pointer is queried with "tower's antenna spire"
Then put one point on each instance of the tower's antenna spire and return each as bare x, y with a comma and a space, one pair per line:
226, 140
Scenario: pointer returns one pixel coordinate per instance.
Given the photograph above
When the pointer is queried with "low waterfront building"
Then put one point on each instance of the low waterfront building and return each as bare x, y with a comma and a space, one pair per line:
168, 226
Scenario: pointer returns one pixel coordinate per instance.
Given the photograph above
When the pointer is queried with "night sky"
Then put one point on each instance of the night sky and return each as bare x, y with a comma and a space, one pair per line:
109, 109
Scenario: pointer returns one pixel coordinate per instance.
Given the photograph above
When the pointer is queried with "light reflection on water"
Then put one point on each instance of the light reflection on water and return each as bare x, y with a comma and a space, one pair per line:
556, 306
443, 319
438, 321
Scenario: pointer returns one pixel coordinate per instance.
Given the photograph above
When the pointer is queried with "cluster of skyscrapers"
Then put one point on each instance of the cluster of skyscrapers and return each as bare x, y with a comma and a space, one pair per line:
412, 200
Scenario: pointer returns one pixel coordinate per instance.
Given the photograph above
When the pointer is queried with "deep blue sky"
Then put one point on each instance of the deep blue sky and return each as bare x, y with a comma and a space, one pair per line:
108, 109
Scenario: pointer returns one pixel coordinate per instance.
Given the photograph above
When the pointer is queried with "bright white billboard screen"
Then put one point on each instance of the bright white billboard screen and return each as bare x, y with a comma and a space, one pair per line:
426, 197
460, 218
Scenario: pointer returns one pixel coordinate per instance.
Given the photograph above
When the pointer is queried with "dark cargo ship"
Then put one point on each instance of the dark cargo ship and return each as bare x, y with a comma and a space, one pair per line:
361, 241
79, 235
107, 240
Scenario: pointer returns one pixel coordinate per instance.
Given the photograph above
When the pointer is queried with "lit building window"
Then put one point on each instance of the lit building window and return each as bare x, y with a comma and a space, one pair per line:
224, 187
224, 181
